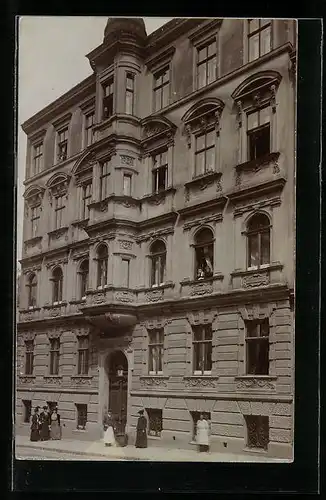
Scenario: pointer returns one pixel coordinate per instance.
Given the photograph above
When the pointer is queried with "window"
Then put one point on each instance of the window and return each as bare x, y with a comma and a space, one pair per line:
127, 185
158, 263
32, 290
160, 171
202, 349
205, 153
258, 236
161, 89
257, 347
37, 158
35, 217
258, 133
155, 351
259, 38
83, 274
102, 265
195, 415
57, 279
89, 134
204, 254
54, 356
130, 83
63, 144
206, 64
155, 422
257, 431
29, 357
86, 199
81, 416
108, 90
27, 410
59, 206
104, 180
83, 355
125, 271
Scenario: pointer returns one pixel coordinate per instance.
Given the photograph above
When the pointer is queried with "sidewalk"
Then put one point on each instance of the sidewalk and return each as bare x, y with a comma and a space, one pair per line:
155, 454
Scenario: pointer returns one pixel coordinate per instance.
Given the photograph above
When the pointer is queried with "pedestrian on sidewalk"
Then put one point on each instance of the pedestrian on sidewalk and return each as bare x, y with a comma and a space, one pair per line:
45, 423
141, 437
35, 426
108, 426
55, 428
202, 434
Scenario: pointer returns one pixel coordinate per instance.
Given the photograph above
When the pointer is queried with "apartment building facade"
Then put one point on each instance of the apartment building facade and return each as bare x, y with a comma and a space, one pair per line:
158, 245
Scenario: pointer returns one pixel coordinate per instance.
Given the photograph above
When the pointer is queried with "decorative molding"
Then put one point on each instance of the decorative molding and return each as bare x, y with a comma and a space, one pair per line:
124, 297
204, 220
125, 244
80, 255
27, 379
201, 182
153, 381
200, 381
33, 242
154, 234
257, 311
213, 205
254, 166
56, 262
30, 335
157, 323
52, 379
158, 197
257, 279
54, 333
127, 160
154, 295
255, 382
201, 317
81, 331
80, 380
256, 206
57, 233
201, 288
256, 190
34, 195
33, 269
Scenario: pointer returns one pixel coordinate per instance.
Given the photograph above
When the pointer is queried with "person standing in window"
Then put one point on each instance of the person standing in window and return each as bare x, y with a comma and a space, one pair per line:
108, 426
202, 434
55, 431
35, 427
141, 438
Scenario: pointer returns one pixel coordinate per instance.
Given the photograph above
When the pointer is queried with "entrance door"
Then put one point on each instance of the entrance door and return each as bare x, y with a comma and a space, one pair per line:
118, 389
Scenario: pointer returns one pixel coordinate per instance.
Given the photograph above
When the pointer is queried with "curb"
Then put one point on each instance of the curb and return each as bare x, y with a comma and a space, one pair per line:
73, 452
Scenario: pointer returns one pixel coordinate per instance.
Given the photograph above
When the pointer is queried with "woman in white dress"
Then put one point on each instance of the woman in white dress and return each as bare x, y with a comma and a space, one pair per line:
202, 434
108, 425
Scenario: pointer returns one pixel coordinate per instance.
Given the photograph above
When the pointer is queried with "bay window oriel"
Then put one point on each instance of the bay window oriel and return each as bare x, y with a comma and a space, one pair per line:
108, 98
130, 94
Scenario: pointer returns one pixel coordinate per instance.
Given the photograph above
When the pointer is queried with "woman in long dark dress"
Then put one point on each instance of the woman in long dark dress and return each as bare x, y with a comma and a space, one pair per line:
45, 423
141, 437
35, 429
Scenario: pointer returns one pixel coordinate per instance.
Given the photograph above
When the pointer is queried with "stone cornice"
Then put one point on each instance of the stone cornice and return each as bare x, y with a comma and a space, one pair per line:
279, 398
199, 208
256, 190
69, 99
169, 217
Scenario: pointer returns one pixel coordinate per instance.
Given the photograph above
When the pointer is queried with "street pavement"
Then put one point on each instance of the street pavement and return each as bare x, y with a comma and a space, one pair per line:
66, 449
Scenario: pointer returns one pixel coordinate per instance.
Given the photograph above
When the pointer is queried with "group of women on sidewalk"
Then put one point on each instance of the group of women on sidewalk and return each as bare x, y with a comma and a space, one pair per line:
45, 424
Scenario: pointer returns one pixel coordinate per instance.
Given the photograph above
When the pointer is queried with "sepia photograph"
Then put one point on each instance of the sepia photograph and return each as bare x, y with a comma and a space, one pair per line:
156, 239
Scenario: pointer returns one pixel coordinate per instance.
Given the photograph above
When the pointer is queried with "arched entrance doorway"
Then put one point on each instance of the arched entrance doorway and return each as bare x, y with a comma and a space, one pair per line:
117, 369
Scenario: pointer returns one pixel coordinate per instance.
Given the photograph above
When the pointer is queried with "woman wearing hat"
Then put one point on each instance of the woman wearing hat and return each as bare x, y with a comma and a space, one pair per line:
35, 430
202, 435
45, 423
141, 437
55, 429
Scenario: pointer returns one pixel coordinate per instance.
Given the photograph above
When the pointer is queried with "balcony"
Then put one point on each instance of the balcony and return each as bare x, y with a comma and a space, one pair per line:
123, 207
203, 186
156, 293
54, 310
259, 171
109, 295
269, 274
58, 237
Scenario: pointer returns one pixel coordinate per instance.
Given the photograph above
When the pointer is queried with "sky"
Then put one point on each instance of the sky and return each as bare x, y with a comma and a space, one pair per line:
51, 60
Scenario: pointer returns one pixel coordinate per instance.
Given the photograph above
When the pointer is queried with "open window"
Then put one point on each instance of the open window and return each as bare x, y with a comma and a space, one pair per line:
158, 263
258, 241
102, 265
204, 254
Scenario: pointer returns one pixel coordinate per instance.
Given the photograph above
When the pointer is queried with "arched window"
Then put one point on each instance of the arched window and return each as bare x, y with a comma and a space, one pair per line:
158, 263
102, 265
32, 290
258, 234
83, 278
204, 254
57, 279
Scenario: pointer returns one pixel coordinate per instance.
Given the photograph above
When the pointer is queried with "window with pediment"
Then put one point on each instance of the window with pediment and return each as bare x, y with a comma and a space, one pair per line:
204, 254
256, 106
102, 265
32, 290
57, 285
158, 263
83, 278
201, 128
258, 241
58, 190
33, 197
